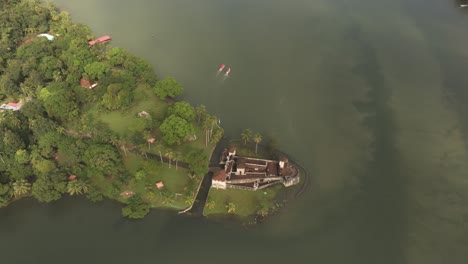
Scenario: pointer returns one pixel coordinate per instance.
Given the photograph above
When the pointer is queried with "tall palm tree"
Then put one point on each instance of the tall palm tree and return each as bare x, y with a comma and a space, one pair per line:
169, 154
257, 139
206, 126
115, 141
147, 136
21, 187
123, 144
176, 157
119, 143
200, 111
142, 150
213, 121
246, 134
159, 147
77, 187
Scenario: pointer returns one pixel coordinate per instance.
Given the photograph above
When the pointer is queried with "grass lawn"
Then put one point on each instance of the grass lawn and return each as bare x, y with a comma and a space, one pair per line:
177, 183
184, 148
247, 202
122, 121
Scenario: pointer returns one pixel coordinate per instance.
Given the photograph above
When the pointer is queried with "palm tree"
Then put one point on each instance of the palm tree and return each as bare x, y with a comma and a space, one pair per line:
213, 121
166, 198
190, 198
119, 143
149, 196
206, 125
200, 111
149, 139
246, 134
77, 187
257, 139
176, 157
60, 130
122, 142
169, 154
115, 141
210, 204
231, 208
142, 150
159, 147
21, 187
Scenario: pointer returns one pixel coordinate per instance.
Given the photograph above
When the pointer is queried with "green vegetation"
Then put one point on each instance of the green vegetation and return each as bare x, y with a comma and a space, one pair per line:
95, 142
243, 203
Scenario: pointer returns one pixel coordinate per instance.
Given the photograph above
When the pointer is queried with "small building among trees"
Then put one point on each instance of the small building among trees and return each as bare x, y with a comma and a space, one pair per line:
11, 106
84, 82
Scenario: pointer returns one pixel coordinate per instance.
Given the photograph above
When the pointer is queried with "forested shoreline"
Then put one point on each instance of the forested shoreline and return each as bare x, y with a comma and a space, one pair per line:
69, 139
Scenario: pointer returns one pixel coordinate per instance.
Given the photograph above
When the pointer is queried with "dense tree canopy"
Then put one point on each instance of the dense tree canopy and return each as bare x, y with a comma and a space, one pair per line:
58, 142
182, 109
197, 161
176, 130
168, 87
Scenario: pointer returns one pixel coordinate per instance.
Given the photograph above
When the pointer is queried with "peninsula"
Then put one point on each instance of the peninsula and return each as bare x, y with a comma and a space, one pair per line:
80, 117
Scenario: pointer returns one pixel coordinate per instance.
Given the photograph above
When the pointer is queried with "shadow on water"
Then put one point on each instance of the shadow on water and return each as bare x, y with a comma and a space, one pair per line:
381, 204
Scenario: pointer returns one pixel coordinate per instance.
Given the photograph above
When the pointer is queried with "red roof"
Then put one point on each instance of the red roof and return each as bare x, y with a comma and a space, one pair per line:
72, 177
159, 185
151, 140
220, 176
16, 105
26, 41
86, 83
98, 40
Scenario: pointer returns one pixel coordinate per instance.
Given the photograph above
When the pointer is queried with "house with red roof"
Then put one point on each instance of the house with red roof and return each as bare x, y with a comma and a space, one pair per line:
100, 40
12, 106
87, 84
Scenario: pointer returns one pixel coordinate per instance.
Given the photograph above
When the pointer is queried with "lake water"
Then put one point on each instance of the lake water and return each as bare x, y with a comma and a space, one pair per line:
370, 96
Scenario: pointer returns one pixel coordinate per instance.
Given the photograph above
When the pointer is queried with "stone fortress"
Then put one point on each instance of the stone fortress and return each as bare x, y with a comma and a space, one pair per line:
252, 173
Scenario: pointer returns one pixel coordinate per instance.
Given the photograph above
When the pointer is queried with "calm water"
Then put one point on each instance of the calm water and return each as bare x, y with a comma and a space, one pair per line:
371, 96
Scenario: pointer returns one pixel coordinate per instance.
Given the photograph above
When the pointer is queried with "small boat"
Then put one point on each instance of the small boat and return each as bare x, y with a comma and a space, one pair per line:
221, 67
227, 72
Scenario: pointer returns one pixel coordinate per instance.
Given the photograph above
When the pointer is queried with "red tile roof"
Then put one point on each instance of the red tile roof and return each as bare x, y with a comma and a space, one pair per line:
151, 140
16, 105
98, 40
26, 41
220, 176
87, 84
159, 185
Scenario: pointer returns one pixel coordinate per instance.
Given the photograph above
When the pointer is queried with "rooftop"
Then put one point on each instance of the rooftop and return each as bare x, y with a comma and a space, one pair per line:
99, 40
